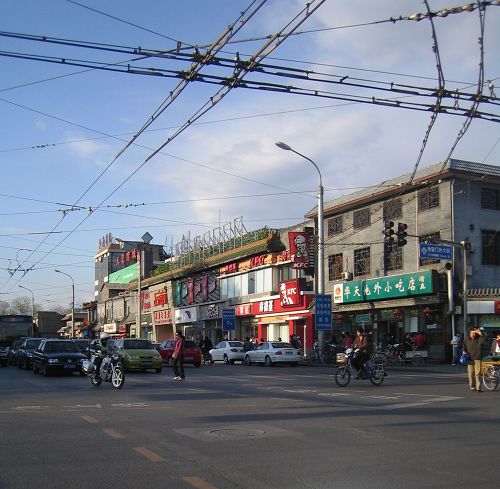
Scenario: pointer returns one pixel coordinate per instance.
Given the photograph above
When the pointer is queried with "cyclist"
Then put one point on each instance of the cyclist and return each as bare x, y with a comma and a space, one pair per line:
360, 345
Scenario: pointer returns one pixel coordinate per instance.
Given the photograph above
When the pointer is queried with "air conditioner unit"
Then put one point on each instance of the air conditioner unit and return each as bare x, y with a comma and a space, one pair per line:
346, 275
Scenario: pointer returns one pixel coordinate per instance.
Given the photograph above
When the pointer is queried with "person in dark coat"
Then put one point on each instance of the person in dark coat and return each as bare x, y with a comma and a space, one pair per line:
473, 345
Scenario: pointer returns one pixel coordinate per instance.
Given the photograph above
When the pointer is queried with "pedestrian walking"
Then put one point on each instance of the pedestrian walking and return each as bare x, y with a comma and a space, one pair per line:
178, 356
473, 345
495, 346
455, 345
247, 345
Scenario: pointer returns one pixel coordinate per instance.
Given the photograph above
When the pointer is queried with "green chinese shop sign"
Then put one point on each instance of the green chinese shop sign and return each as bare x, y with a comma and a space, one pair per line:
393, 287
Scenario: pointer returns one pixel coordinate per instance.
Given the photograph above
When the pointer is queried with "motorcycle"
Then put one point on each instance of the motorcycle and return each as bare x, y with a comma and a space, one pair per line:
373, 371
111, 370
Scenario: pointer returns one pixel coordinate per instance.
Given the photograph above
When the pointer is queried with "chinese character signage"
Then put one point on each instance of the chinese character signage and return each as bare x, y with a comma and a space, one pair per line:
393, 287
301, 245
323, 315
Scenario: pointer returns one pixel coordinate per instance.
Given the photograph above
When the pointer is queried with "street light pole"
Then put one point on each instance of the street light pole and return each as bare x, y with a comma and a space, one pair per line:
32, 307
72, 303
321, 236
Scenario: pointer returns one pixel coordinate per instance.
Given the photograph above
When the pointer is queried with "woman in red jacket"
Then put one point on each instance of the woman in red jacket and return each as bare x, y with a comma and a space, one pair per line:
178, 356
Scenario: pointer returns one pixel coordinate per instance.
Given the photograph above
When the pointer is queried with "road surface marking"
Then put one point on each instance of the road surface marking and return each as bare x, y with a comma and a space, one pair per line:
381, 397
113, 433
90, 419
149, 454
334, 394
21, 408
198, 483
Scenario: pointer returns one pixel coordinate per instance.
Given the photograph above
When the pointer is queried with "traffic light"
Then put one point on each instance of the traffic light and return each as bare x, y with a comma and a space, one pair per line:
388, 232
402, 227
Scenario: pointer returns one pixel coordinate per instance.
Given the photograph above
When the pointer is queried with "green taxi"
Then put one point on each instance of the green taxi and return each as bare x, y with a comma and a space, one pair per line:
138, 354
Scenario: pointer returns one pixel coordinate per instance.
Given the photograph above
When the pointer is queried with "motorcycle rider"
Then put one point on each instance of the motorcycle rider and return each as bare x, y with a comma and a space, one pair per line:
101, 351
361, 347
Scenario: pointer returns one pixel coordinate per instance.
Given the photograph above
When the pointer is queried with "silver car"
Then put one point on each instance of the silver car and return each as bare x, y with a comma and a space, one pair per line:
227, 352
271, 352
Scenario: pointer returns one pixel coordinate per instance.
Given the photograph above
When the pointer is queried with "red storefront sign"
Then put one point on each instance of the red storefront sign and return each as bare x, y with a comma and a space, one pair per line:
497, 307
160, 298
145, 304
290, 292
162, 317
244, 310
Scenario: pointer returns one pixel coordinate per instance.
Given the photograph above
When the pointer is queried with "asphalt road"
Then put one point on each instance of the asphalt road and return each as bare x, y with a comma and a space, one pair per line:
230, 427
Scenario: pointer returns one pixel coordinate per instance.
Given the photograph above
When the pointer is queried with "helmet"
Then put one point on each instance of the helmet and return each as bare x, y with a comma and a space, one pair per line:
105, 336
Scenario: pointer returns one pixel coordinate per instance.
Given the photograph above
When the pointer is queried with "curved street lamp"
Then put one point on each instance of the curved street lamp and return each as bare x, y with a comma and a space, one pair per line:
321, 240
72, 303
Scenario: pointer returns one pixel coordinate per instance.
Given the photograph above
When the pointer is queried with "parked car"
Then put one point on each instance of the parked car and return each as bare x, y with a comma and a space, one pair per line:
137, 353
271, 352
25, 352
227, 351
4, 355
12, 353
192, 353
56, 355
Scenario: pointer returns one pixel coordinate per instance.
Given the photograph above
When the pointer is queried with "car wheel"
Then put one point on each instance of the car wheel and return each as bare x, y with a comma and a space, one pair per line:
226, 359
158, 370
268, 361
247, 361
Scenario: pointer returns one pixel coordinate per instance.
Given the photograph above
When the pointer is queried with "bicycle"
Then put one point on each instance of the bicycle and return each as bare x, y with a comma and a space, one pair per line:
397, 356
491, 377
330, 353
373, 371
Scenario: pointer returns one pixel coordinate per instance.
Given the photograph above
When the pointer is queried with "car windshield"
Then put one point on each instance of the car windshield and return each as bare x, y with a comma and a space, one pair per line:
138, 345
60, 346
235, 343
281, 344
32, 344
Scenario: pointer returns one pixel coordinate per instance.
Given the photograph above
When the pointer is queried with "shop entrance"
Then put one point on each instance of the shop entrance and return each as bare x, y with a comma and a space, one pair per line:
388, 333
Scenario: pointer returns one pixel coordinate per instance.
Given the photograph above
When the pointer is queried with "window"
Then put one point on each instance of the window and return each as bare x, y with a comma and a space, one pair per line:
361, 219
393, 209
428, 199
362, 262
490, 199
335, 266
490, 247
428, 238
393, 257
335, 226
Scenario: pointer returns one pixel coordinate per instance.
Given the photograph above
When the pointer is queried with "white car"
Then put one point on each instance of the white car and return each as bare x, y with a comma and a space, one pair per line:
228, 352
271, 352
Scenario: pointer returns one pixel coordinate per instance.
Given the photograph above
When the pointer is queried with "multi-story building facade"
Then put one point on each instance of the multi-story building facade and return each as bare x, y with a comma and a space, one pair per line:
390, 289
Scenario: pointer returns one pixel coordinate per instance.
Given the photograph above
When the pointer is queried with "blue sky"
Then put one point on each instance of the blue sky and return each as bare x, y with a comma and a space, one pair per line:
57, 122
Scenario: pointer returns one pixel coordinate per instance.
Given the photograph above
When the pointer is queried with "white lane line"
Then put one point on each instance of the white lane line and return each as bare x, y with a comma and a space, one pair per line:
380, 397
334, 394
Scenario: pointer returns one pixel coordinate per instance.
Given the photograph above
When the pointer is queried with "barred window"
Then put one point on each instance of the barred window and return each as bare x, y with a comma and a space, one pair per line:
361, 219
335, 226
490, 247
362, 262
428, 199
335, 266
393, 255
428, 238
489, 199
393, 209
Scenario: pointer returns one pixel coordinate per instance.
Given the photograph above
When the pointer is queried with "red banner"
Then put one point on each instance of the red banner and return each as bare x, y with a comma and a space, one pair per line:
289, 293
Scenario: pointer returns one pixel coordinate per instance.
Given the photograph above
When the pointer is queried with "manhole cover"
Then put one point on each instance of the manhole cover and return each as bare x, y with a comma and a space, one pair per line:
235, 432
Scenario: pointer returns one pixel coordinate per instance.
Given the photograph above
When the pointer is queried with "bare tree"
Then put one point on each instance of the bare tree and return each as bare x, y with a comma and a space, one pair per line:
4, 307
21, 305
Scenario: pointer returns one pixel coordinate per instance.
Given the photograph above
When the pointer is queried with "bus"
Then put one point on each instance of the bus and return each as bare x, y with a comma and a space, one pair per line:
14, 326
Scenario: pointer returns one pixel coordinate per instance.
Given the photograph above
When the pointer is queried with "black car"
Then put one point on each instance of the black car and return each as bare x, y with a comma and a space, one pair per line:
4, 354
12, 354
83, 345
55, 355
25, 352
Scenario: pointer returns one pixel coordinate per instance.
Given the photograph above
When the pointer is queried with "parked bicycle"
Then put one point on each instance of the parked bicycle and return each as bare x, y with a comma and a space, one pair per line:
330, 353
491, 377
373, 371
397, 355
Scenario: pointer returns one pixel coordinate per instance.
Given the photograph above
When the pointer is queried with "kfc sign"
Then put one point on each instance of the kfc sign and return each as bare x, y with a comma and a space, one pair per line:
301, 245
289, 293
